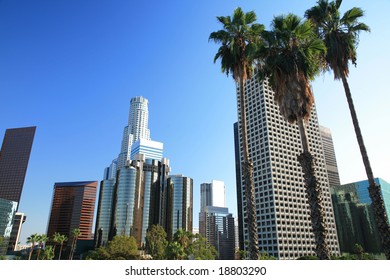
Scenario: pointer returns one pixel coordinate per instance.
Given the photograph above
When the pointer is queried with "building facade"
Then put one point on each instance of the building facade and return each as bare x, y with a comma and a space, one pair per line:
19, 219
330, 156
282, 211
150, 149
179, 205
355, 217
72, 207
137, 128
14, 157
7, 214
216, 224
212, 194
133, 202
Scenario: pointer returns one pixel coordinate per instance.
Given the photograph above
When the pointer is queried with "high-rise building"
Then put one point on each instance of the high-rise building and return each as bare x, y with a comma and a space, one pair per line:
355, 217
151, 149
133, 202
179, 198
137, 128
7, 214
216, 224
110, 171
14, 157
212, 194
73, 206
105, 212
19, 219
330, 156
282, 210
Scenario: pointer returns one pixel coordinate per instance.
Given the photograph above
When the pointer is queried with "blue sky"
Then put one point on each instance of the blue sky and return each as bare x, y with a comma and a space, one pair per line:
71, 67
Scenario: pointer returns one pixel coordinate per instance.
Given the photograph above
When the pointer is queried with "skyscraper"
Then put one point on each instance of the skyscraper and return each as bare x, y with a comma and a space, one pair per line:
216, 224
19, 219
282, 211
14, 157
330, 156
179, 197
132, 202
212, 194
73, 206
137, 128
355, 217
151, 149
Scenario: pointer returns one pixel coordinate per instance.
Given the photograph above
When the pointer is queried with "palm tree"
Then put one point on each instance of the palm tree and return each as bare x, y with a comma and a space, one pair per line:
59, 238
42, 239
239, 40
290, 60
341, 36
33, 238
75, 233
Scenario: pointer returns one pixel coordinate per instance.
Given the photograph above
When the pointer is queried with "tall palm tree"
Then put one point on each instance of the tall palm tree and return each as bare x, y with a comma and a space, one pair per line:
290, 60
341, 36
59, 238
42, 239
75, 233
239, 40
33, 238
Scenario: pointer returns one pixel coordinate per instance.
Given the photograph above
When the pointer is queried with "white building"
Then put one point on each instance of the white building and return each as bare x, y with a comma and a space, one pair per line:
212, 194
282, 211
151, 149
137, 128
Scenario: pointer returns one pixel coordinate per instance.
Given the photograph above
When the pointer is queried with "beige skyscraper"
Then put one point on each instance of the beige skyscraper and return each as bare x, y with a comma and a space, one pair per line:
283, 215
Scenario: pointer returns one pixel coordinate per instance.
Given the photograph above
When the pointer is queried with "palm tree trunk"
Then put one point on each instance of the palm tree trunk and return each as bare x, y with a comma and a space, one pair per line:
314, 195
31, 251
59, 255
247, 169
374, 189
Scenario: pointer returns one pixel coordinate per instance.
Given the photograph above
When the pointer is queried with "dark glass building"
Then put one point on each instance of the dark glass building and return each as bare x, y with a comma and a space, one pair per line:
73, 206
14, 157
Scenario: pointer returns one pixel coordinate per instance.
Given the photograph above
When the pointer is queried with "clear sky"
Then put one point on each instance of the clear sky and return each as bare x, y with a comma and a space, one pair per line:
71, 67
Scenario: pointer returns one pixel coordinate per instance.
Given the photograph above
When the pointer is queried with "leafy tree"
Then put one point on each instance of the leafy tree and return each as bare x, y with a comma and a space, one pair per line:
175, 251
156, 242
120, 248
200, 249
340, 33
239, 41
265, 256
290, 59
33, 238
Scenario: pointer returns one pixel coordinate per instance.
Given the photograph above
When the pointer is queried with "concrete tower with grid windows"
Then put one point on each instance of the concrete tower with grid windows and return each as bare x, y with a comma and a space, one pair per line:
282, 211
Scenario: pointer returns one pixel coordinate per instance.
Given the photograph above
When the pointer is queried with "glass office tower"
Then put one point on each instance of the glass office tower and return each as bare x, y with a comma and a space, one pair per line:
179, 204
7, 214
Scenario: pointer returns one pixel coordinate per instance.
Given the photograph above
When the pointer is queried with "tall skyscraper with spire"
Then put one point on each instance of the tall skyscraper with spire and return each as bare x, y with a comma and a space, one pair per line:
137, 128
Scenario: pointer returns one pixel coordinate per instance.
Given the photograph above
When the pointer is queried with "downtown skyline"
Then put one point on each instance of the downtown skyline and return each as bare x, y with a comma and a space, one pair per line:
71, 69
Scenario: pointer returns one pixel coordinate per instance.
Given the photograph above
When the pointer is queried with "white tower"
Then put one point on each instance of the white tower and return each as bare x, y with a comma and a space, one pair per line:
136, 129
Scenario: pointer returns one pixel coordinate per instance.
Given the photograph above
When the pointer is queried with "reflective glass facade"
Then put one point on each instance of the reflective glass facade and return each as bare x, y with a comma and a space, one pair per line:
354, 215
7, 214
104, 212
217, 226
139, 197
180, 204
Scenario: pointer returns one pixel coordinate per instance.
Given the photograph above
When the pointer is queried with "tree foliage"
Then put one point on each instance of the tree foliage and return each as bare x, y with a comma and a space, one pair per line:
156, 242
120, 248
